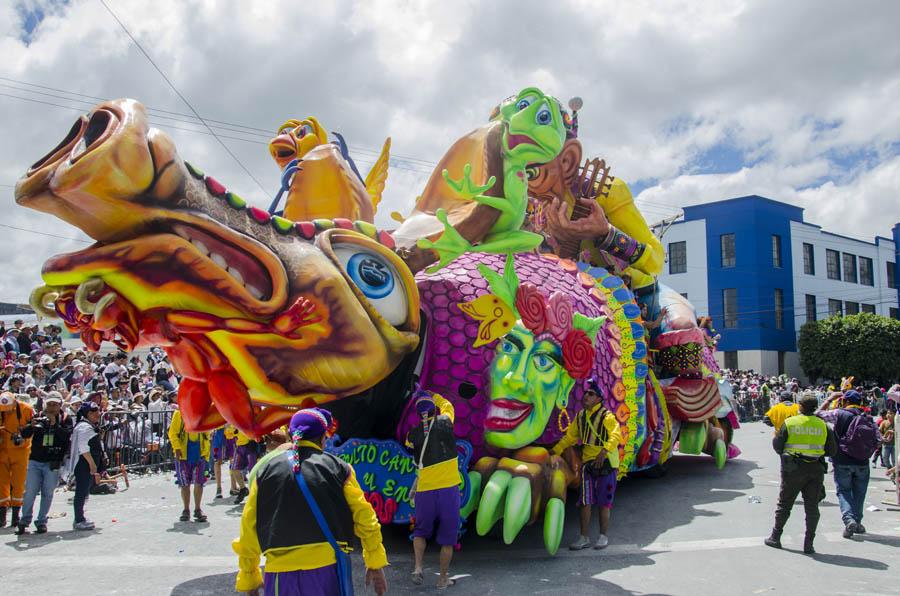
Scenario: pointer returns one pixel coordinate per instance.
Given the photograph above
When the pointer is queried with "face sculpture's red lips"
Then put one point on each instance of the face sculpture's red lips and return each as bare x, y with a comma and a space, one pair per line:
506, 414
513, 141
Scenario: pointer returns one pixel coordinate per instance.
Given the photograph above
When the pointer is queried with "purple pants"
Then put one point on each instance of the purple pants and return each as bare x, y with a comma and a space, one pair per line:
597, 490
312, 582
225, 452
187, 474
244, 457
439, 506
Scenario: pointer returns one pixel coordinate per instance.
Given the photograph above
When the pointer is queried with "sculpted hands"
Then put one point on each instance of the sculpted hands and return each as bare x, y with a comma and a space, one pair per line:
563, 229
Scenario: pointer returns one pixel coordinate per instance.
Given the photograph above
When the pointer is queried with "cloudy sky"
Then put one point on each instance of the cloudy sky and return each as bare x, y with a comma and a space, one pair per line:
688, 101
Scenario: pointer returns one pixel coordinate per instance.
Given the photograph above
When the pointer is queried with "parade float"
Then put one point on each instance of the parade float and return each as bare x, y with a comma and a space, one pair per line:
266, 311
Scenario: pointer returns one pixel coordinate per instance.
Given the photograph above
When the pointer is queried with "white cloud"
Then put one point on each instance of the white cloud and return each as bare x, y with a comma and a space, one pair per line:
796, 86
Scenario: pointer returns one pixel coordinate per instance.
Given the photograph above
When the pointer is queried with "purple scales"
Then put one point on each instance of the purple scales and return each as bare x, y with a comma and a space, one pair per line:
459, 372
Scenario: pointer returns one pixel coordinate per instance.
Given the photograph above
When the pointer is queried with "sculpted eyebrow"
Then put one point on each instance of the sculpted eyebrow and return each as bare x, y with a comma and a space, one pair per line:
515, 341
553, 353
554, 356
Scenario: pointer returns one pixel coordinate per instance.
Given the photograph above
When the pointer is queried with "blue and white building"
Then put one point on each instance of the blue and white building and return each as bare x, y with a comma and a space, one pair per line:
761, 272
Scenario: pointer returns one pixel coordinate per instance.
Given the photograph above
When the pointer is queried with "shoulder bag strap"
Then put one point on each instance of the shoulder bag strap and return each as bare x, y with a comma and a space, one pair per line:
425, 445
343, 562
601, 416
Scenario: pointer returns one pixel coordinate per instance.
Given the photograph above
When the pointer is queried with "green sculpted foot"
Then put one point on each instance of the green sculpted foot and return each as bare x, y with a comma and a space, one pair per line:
449, 246
513, 241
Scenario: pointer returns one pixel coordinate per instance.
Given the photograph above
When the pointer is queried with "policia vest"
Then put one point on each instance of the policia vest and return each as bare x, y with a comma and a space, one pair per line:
283, 517
806, 437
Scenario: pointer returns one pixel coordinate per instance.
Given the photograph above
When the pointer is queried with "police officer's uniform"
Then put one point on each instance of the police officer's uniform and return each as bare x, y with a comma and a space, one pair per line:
803, 442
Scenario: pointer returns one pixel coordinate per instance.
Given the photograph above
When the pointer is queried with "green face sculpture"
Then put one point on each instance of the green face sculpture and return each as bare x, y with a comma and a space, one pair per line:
527, 381
536, 131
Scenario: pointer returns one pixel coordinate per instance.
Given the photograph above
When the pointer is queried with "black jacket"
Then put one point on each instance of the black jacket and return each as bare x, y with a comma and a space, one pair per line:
441, 442
49, 443
283, 517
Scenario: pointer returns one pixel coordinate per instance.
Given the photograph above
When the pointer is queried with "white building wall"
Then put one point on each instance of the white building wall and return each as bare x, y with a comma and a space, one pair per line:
823, 288
693, 282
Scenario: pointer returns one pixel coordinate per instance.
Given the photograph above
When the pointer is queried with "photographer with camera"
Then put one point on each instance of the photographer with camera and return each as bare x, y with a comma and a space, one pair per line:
50, 435
14, 450
597, 430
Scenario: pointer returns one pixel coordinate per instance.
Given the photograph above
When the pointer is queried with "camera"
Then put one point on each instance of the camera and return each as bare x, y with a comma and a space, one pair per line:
17, 439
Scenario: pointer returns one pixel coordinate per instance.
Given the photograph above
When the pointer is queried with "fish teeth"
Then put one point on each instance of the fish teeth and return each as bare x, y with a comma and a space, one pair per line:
218, 260
236, 275
254, 291
200, 247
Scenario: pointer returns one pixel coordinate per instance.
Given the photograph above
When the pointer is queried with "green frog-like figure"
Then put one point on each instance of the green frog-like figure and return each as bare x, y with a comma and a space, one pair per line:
534, 134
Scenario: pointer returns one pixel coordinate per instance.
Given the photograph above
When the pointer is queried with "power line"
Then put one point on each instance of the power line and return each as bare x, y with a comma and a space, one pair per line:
250, 130
393, 164
96, 98
44, 233
183, 98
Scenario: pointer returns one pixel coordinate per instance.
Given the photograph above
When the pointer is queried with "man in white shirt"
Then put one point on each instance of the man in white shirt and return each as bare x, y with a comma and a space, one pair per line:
115, 369
156, 409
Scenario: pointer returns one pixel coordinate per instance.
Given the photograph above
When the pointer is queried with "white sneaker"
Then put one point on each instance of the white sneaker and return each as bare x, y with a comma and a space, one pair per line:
582, 543
83, 525
602, 542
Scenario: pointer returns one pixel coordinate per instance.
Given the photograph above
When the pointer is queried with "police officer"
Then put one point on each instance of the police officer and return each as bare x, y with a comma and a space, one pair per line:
803, 442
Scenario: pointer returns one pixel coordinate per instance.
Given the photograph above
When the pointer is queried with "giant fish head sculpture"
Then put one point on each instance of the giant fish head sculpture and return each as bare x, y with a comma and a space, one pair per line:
260, 314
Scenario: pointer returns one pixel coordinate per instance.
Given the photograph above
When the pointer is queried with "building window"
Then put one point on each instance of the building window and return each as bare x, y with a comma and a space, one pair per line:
729, 307
891, 282
866, 272
895, 313
851, 308
809, 259
833, 264
835, 307
677, 257
850, 268
810, 308
776, 251
726, 241
869, 308
731, 360
780, 363
779, 309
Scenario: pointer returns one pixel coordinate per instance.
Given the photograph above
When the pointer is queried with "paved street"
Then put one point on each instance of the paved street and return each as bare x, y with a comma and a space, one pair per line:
695, 531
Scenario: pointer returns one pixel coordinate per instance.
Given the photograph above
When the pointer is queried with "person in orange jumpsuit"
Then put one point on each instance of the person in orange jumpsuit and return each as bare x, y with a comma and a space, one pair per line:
14, 451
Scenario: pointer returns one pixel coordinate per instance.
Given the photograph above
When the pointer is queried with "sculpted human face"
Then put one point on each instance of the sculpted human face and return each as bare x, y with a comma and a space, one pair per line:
527, 381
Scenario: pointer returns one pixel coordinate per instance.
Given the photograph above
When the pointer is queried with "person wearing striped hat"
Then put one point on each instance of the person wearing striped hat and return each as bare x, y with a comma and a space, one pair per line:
279, 520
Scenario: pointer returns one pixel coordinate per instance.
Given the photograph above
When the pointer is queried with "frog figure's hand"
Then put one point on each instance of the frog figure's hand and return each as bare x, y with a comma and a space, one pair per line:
465, 187
517, 488
449, 246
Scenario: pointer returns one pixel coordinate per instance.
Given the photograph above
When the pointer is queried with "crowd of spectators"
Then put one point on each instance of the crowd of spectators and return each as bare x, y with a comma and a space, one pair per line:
754, 393
136, 397
34, 363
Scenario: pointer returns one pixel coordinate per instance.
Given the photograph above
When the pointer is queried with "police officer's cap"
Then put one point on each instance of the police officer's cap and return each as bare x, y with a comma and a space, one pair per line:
808, 401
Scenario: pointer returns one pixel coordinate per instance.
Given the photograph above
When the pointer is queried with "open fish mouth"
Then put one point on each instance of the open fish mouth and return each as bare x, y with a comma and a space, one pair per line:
189, 256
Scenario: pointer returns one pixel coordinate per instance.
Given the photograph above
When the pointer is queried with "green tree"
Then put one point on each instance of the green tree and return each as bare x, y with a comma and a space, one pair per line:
865, 346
